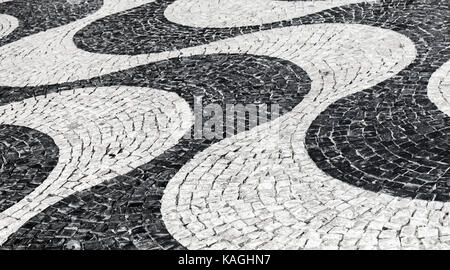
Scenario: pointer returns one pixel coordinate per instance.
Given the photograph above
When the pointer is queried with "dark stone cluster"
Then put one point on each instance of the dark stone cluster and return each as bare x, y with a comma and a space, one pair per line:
27, 157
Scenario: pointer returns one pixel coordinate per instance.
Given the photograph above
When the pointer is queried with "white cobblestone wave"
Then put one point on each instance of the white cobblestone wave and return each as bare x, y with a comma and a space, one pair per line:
233, 13
439, 88
7, 24
52, 57
260, 189
101, 133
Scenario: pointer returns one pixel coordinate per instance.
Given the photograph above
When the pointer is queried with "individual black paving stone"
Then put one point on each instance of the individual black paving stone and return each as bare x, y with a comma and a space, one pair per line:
39, 15
125, 211
27, 157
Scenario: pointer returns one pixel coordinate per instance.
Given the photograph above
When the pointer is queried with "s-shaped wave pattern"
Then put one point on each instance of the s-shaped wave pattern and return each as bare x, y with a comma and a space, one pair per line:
380, 133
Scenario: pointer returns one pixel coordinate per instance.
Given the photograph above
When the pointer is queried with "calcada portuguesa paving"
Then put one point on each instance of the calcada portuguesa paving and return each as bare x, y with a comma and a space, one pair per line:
238, 124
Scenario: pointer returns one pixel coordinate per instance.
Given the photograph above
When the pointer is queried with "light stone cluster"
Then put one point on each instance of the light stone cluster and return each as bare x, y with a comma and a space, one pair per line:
234, 13
439, 88
7, 25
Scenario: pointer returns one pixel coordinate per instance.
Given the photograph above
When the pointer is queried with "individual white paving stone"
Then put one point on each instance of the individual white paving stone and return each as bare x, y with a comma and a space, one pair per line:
427, 232
389, 243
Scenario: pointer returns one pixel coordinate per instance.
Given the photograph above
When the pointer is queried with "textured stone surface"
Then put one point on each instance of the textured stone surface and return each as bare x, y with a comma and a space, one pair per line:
101, 133
51, 57
27, 158
39, 15
134, 212
233, 13
439, 88
390, 137
97, 96
146, 29
7, 24
263, 182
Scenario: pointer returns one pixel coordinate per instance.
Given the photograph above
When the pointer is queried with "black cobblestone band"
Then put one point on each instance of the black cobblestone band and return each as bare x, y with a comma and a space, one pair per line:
27, 157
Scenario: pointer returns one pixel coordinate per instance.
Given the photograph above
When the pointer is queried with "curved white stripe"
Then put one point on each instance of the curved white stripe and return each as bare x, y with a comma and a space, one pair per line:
101, 133
7, 24
232, 13
52, 57
260, 189
439, 88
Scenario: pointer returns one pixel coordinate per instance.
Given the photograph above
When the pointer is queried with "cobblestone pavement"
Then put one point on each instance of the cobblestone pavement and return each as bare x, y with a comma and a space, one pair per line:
99, 101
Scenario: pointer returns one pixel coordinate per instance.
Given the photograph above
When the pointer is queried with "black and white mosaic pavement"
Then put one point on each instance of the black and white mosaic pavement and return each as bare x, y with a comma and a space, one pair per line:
97, 99
260, 80
35, 16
